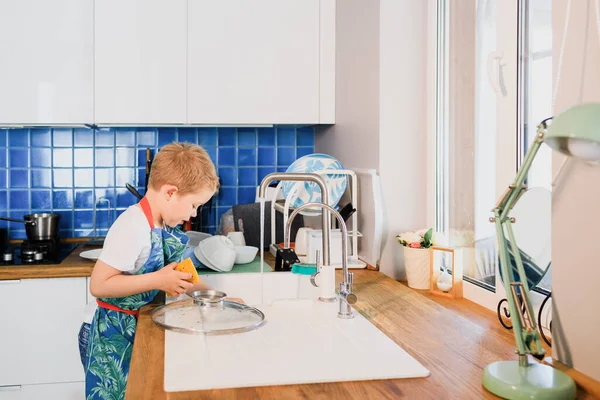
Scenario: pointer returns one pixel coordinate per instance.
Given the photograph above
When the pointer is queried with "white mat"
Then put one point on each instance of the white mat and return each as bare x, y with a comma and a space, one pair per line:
303, 341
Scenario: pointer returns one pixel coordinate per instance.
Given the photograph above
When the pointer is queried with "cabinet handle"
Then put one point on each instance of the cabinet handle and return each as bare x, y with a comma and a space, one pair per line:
12, 388
10, 281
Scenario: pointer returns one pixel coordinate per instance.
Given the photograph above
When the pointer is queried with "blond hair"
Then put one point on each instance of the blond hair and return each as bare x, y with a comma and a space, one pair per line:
185, 165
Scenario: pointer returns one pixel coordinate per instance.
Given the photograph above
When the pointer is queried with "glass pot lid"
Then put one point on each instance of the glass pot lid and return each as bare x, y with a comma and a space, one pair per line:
208, 313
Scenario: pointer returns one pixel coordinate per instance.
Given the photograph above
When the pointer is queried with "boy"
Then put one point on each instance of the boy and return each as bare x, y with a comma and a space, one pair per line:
140, 252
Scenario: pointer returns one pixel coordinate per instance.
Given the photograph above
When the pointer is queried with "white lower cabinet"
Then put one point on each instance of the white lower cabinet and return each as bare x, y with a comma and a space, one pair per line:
55, 391
39, 352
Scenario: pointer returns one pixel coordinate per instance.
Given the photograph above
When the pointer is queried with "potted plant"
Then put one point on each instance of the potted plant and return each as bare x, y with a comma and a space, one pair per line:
416, 257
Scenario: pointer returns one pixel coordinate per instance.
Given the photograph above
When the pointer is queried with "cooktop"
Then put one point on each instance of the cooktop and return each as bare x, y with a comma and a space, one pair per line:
36, 253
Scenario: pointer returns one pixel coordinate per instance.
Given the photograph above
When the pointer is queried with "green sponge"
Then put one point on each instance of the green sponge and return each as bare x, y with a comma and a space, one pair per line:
304, 269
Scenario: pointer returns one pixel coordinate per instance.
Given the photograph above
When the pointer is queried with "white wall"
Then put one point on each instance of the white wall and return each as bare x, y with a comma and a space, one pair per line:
381, 68
575, 200
402, 123
354, 139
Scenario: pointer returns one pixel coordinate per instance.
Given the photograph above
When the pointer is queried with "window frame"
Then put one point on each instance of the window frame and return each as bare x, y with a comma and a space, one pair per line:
510, 146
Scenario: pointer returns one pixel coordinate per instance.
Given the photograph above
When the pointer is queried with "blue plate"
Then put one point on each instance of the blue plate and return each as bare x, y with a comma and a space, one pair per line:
307, 192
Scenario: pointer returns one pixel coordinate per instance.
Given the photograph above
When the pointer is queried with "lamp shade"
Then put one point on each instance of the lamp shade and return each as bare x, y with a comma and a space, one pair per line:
576, 132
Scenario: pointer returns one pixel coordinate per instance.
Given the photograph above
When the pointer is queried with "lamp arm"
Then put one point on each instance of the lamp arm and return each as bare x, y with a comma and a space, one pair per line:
507, 280
530, 332
517, 188
524, 323
525, 328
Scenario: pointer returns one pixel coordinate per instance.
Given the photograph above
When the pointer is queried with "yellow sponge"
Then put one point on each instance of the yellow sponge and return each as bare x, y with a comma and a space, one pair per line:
187, 266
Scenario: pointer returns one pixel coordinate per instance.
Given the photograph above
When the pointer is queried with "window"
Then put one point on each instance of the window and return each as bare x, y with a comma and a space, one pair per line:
493, 87
535, 83
536, 95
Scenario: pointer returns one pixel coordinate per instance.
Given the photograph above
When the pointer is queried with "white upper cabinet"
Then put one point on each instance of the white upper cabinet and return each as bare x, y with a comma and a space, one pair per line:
159, 62
140, 60
46, 61
254, 61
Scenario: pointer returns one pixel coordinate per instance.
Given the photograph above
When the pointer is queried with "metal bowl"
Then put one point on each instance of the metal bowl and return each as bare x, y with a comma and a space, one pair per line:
208, 298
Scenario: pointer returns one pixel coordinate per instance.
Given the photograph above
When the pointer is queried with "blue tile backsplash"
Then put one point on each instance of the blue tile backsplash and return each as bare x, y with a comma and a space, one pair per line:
66, 170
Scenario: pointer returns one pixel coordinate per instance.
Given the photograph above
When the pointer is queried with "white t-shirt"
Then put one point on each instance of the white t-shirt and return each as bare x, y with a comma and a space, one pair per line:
126, 247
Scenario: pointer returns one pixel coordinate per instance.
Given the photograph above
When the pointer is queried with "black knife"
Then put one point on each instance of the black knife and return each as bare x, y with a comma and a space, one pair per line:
148, 166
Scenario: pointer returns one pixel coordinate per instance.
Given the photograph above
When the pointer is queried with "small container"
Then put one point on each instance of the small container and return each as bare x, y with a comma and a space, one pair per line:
301, 241
208, 298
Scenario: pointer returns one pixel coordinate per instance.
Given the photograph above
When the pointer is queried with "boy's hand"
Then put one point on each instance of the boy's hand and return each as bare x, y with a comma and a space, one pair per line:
173, 282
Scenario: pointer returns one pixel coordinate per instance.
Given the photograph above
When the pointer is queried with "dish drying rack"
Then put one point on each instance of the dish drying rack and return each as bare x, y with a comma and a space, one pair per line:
284, 207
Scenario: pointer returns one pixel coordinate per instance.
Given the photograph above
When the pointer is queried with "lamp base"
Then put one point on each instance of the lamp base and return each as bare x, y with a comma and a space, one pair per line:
509, 380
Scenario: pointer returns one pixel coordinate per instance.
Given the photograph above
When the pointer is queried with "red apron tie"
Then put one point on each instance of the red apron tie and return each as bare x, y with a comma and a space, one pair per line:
145, 204
108, 306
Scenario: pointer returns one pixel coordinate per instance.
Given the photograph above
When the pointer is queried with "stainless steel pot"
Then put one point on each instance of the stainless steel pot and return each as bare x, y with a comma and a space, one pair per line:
39, 226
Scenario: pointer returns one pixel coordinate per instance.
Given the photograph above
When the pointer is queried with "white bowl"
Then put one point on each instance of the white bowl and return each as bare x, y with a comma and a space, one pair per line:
218, 251
245, 254
203, 260
237, 238
196, 237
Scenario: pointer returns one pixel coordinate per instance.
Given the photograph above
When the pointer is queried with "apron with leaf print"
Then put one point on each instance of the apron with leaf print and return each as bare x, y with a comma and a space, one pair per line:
113, 328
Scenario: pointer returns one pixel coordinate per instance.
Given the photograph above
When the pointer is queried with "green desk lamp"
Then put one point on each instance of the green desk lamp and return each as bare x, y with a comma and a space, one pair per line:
574, 132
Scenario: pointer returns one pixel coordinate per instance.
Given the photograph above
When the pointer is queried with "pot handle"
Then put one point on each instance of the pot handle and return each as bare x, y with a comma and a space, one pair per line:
133, 191
17, 220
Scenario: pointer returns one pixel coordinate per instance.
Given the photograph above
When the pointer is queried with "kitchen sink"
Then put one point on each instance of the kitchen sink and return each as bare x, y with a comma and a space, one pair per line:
276, 286
302, 341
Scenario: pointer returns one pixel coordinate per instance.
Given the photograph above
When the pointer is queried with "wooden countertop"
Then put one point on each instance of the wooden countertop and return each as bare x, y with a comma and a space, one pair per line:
454, 348
71, 267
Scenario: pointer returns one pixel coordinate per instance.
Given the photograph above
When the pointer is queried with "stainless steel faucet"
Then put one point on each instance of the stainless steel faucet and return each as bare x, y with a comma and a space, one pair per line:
303, 177
347, 298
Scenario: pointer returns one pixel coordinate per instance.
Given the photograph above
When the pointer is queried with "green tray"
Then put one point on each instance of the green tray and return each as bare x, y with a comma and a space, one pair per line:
253, 266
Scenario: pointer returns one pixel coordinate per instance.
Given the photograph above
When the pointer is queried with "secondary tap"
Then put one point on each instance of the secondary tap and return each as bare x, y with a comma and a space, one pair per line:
347, 298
